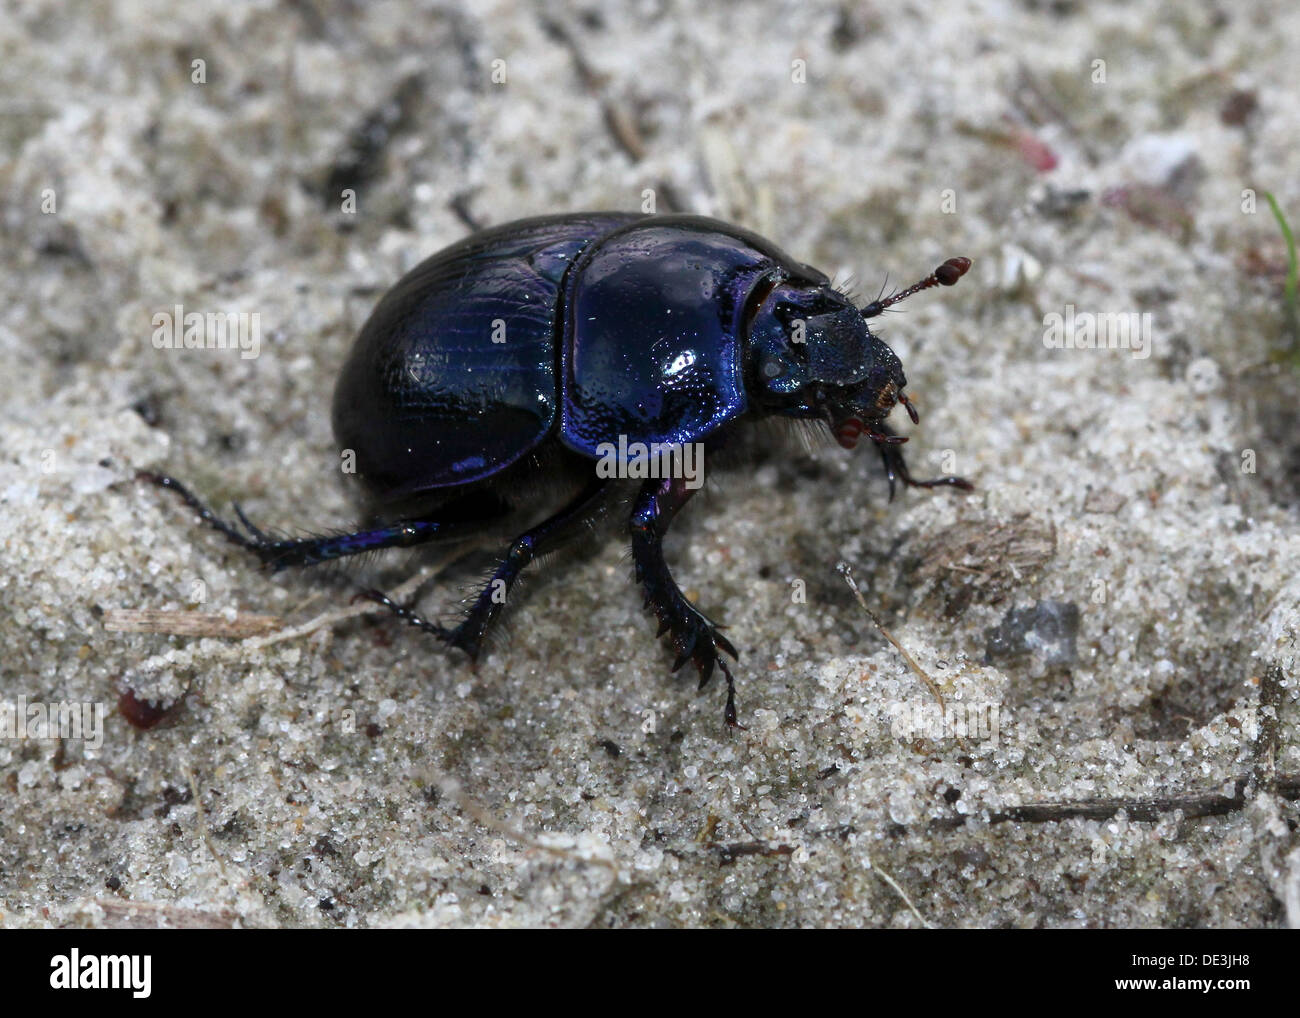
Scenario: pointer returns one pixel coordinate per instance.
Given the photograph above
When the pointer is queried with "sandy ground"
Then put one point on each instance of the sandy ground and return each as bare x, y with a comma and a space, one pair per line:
1112, 616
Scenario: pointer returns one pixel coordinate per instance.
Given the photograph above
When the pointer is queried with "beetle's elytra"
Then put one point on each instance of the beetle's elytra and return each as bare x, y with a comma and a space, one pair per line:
512, 362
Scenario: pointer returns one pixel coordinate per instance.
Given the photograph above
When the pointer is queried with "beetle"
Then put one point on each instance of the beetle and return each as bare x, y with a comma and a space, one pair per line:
517, 359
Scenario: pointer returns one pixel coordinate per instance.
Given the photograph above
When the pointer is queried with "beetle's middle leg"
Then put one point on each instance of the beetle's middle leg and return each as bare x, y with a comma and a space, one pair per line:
544, 537
694, 637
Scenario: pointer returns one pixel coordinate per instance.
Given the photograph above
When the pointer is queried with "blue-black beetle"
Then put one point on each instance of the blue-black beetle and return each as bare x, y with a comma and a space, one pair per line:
526, 352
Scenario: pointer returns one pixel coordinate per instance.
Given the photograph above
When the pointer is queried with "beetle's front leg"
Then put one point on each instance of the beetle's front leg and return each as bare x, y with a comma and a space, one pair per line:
694, 637
891, 453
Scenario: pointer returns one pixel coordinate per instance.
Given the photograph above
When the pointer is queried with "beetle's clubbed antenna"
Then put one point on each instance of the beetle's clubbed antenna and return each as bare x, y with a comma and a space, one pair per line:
945, 275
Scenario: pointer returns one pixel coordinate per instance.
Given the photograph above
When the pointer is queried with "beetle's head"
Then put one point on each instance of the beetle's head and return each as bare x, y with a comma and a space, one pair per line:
812, 355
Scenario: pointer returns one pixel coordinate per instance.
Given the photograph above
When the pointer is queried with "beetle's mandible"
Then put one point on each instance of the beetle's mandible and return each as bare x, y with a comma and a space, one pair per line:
525, 353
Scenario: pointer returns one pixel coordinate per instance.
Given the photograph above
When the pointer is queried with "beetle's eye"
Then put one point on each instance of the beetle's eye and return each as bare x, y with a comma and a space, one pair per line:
771, 367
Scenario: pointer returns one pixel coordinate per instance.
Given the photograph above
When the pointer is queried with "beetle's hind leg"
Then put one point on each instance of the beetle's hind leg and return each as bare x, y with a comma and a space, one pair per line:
891, 454
694, 636
281, 553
